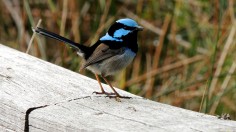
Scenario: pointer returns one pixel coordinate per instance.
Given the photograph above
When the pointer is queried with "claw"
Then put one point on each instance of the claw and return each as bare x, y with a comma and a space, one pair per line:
103, 92
118, 96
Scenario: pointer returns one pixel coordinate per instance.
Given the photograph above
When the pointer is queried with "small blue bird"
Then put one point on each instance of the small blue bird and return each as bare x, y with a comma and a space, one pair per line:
110, 54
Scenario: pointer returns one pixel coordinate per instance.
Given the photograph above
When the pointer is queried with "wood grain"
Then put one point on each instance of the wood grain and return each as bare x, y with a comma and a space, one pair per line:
36, 95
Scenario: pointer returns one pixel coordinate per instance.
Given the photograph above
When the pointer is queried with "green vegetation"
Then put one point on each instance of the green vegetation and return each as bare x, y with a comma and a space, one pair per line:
187, 52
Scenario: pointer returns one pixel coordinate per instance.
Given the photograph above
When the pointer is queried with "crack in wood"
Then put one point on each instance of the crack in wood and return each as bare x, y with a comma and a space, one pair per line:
79, 98
37, 128
26, 129
196, 129
5, 76
121, 117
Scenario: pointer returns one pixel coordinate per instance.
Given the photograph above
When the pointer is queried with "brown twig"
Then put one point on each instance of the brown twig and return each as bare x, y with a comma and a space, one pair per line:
157, 54
75, 23
223, 87
202, 99
32, 38
165, 69
16, 16
102, 23
226, 48
63, 17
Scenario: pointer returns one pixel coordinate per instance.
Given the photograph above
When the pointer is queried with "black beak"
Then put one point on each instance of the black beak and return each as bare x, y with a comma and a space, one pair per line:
139, 28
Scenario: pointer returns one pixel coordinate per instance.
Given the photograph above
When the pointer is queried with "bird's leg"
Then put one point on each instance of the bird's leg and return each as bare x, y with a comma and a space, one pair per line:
102, 90
117, 95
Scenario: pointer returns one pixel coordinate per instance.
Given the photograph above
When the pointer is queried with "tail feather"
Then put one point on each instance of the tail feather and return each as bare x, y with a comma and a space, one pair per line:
79, 47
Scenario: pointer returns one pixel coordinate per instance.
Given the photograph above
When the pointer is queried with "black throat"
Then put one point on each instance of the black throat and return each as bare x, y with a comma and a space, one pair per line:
130, 41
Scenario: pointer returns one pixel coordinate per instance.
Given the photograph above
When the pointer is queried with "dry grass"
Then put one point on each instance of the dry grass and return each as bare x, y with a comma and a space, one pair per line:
187, 50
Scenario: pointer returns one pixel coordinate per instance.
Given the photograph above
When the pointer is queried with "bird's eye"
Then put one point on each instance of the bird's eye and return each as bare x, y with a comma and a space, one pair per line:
125, 27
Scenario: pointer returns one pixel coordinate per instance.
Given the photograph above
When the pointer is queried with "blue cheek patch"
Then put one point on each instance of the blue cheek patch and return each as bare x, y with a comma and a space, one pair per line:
120, 32
109, 38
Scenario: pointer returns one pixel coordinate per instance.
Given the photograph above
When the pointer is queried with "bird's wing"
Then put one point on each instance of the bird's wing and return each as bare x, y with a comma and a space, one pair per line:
101, 53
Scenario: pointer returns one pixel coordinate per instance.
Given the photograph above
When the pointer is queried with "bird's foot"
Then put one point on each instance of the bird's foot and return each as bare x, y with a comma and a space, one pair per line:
118, 97
113, 95
103, 92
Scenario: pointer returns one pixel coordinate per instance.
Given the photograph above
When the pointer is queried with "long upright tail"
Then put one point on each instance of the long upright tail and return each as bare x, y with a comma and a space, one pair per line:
79, 47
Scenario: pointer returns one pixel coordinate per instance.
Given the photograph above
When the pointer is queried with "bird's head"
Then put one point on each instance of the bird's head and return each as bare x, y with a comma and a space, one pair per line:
121, 29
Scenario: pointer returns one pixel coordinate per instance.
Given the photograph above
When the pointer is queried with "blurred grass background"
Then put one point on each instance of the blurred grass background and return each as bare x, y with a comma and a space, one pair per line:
186, 54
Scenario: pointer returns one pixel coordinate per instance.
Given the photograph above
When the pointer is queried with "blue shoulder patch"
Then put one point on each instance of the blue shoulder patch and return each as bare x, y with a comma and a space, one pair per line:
108, 37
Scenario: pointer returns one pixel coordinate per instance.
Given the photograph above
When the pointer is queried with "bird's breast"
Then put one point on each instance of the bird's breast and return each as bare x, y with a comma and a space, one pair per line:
113, 64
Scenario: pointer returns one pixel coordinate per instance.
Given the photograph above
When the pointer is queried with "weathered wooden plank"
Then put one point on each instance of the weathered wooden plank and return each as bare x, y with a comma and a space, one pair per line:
38, 96
27, 82
96, 113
